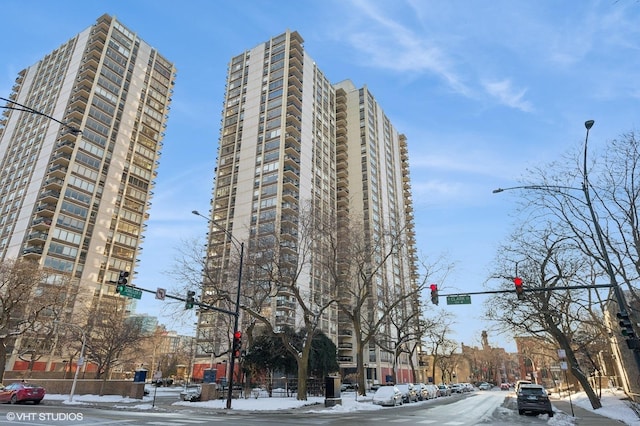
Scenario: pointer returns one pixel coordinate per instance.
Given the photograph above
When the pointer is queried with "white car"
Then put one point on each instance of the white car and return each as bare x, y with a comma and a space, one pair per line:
387, 395
444, 390
457, 388
433, 390
485, 386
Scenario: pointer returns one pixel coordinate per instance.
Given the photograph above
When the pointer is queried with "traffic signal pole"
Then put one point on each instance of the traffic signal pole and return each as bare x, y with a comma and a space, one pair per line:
235, 330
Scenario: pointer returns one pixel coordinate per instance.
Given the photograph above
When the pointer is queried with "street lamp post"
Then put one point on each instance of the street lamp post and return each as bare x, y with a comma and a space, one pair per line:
80, 362
237, 310
619, 295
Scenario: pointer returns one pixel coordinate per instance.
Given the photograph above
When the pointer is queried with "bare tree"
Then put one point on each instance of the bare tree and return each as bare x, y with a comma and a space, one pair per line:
276, 276
110, 335
547, 263
30, 300
280, 272
359, 262
604, 207
447, 360
441, 347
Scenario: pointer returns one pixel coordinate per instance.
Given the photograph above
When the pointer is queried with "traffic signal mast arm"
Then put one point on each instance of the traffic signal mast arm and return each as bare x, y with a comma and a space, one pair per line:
529, 290
200, 304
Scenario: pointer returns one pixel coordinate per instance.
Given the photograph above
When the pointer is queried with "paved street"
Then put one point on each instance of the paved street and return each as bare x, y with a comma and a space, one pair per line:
477, 408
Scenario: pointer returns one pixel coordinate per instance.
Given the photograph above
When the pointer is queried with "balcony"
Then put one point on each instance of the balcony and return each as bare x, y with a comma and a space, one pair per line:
285, 304
345, 346
41, 223
294, 108
50, 196
38, 236
290, 196
290, 184
54, 183
32, 251
61, 158
46, 209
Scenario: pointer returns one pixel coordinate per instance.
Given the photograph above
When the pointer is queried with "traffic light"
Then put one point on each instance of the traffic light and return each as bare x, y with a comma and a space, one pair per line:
188, 304
237, 344
434, 294
519, 289
626, 327
122, 281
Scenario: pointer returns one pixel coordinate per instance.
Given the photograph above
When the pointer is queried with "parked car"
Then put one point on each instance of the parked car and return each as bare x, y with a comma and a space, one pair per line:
444, 390
421, 391
457, 388
191, 393
505, 386
387, 395
485, 386
520, 383
433, 390
22, 392
348, 387
408, 392
533, 399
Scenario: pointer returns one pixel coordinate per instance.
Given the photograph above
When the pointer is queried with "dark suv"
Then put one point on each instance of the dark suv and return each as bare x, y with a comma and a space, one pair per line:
534, 399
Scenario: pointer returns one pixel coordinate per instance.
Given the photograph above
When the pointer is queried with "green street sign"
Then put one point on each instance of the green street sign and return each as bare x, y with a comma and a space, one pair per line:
131, 292
462, 299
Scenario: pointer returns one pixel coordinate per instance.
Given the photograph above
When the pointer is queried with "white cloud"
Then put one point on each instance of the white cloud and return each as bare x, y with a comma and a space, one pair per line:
506, 94
391, 45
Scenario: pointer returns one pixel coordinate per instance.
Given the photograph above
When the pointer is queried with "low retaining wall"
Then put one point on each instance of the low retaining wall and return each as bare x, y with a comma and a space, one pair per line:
125, 388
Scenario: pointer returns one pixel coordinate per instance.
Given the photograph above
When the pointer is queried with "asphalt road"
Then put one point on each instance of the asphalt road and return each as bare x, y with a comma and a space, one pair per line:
477, 408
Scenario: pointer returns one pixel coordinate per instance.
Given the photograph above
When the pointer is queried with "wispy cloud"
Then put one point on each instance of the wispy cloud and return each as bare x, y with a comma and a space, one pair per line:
506, 94
389, 44
395, 45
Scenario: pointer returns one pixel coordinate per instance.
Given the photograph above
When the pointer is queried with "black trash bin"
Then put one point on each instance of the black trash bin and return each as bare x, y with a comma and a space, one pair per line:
332, 391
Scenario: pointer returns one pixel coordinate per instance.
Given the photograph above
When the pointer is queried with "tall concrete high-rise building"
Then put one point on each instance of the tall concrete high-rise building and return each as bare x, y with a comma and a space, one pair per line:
374, 188
294, 149
276, 157
77, 202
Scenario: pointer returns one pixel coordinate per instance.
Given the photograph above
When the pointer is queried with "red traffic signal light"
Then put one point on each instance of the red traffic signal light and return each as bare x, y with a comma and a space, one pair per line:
519, 289
434, 293
237, 344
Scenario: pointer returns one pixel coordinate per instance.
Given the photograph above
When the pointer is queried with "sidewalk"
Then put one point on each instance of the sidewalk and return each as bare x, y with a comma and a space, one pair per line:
584, 417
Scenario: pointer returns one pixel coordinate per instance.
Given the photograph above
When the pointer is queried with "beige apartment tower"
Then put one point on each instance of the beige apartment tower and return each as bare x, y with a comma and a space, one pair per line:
295, 147
77, 202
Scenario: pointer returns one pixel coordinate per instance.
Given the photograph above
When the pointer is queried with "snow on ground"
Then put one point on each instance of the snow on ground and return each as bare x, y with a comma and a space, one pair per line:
614, 406
613, 401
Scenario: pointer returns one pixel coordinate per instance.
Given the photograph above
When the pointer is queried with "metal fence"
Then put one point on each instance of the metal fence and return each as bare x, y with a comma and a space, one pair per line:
285, 387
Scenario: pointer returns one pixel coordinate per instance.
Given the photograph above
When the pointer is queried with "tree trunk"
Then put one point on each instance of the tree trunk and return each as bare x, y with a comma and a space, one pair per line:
362, 388
303, 373
3, 356
575, 368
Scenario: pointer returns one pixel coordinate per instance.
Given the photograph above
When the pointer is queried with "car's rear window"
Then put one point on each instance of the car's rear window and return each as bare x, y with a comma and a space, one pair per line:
532, 391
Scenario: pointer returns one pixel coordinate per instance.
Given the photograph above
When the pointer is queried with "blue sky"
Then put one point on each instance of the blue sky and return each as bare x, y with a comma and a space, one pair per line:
482, 90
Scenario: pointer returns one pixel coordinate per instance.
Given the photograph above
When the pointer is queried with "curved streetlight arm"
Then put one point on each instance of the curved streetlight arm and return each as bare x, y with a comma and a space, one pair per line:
217, 225
554, 188
543, 187
30, 110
